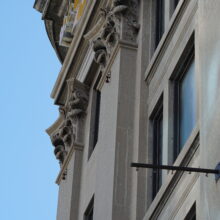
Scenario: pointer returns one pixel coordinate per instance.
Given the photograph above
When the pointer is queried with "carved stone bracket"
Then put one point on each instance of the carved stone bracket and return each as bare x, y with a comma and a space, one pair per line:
71, 131
120, 23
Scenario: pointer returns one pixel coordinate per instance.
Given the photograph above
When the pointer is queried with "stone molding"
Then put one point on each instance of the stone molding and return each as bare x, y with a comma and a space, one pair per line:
117, 23
39, 5
71, 131
64, 169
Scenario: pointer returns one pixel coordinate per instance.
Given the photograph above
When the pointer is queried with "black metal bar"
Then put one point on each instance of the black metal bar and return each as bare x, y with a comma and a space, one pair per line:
167, 167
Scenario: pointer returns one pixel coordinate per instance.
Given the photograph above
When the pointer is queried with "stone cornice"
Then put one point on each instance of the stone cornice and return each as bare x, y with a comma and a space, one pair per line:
56, 125
39, 5
124, 14
50, 28
52, 14
78, 37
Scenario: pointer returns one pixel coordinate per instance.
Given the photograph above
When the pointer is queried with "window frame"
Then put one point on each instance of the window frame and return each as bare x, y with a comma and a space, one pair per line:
157, 150
157, 146
94, 116
187, 59
162, 11
159, 21
173, 5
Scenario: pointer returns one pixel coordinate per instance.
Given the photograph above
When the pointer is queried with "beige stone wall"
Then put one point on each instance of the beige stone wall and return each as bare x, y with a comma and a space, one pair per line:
209, 68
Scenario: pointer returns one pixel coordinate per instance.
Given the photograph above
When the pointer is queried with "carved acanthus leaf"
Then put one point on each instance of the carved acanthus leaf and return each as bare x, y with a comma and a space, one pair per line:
121, 23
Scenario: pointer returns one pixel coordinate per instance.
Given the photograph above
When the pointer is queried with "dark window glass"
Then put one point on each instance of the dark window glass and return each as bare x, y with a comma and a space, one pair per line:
192, 213
176, 3
157, 149
95, 114
173, 5
90, 215
159, 26
89, 211
185, 106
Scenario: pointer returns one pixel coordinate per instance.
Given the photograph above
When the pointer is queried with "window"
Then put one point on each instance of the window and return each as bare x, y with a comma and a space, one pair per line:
97, 100
95, 114
175, 2
173, 5
192, 213
160, 21
157, 122
185, 104
89, 211
162, 12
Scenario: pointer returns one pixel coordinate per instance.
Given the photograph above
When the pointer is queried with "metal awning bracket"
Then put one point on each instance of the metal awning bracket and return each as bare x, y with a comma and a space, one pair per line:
215, 171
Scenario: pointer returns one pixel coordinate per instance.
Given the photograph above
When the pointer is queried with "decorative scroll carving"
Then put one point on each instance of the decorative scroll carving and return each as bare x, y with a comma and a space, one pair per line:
121, 23
72, 129
59, 150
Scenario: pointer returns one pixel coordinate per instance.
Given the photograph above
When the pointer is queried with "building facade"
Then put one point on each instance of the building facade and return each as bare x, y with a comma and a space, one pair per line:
139, 83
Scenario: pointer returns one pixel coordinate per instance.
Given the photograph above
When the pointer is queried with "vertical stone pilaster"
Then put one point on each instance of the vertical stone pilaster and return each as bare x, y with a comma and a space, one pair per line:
124, 142
115, 48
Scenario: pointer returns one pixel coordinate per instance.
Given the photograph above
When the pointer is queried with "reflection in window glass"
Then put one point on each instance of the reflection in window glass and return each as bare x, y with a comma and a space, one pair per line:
187, 104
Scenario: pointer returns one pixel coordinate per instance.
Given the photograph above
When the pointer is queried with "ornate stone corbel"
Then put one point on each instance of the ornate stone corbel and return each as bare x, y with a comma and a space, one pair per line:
121, 23
76, 105
100, 51
59, 145
70, 133
77, 99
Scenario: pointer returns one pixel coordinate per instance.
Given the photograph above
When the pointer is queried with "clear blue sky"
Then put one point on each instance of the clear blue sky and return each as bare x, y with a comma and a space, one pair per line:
29, 68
